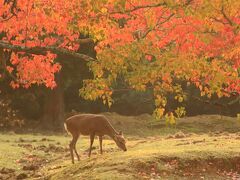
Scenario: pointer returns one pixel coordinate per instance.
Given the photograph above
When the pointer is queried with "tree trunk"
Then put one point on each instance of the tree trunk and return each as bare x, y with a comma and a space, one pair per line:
53, 109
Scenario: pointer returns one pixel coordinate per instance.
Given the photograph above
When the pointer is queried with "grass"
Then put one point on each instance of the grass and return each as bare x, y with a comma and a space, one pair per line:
200, 147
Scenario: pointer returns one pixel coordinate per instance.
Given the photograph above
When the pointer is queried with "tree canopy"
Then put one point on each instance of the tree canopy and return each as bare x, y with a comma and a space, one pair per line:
148, 44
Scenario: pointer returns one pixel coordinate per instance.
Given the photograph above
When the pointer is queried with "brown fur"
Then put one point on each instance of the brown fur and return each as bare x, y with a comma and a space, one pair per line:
91, 124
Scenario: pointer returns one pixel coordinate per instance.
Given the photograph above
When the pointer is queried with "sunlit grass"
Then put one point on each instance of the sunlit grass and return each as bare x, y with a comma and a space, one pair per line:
147, 145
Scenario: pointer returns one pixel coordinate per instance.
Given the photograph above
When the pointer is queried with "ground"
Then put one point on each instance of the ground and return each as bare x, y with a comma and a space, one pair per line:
200, 147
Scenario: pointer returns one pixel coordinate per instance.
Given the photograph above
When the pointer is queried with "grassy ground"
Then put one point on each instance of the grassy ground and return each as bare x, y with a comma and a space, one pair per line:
201, 147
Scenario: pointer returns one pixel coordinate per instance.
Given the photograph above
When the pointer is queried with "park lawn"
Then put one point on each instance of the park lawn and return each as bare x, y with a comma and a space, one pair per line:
200, 147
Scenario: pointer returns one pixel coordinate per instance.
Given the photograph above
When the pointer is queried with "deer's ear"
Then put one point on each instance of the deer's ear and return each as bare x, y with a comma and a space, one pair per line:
120, 133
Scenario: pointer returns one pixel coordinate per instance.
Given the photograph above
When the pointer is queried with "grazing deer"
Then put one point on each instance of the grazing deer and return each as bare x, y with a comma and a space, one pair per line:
91, 124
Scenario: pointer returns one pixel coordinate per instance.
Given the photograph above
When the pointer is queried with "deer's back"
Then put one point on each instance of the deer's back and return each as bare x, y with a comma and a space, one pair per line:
87, 124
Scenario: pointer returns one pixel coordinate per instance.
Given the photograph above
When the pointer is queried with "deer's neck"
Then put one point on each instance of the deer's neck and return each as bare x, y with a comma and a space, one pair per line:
112, 132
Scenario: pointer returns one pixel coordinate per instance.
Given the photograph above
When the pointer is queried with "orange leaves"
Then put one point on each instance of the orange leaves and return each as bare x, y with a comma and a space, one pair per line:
14, 85
40, 24
168, 41
186, 46
36, 69
167, 78
119, 16
9, 69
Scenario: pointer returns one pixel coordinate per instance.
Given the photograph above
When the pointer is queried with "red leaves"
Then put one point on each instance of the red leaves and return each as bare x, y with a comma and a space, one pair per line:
36, 69
148, 57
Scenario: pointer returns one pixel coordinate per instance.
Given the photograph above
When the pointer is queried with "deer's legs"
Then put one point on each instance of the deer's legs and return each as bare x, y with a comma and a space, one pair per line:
71, 151
91, 143
72, 146
100, 143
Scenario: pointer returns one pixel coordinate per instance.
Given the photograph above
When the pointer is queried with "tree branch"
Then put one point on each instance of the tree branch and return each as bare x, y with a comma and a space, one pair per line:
6, 19
139, 7
12, 10
135, 8
38, 50
226, 105
159, 23
4, 57
219, 20
237, 100
85, 41
210, 102
226, 17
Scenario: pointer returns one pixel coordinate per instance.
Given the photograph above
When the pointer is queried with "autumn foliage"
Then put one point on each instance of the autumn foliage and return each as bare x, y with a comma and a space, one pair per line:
151, 44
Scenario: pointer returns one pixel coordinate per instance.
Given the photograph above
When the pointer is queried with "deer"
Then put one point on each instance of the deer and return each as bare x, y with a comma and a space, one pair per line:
92, 125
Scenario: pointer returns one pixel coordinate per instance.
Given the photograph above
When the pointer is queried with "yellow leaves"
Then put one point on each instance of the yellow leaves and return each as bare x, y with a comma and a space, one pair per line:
170, 119
93, 89
209, 95
234, 74
202, 93
104, 10
170, 3
180, 112
179, 98
151, 18
204, 90
219, 93
122, 56
97, 88
98, 5
106, 98
158, 113
160, 101
140, 87
232, 53
98, 36
97, 70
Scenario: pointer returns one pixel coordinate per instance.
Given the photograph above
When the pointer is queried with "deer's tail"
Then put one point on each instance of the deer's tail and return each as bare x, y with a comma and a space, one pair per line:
65, 126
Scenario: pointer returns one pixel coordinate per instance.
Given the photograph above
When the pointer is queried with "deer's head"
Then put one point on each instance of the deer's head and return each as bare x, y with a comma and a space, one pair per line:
120, 141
